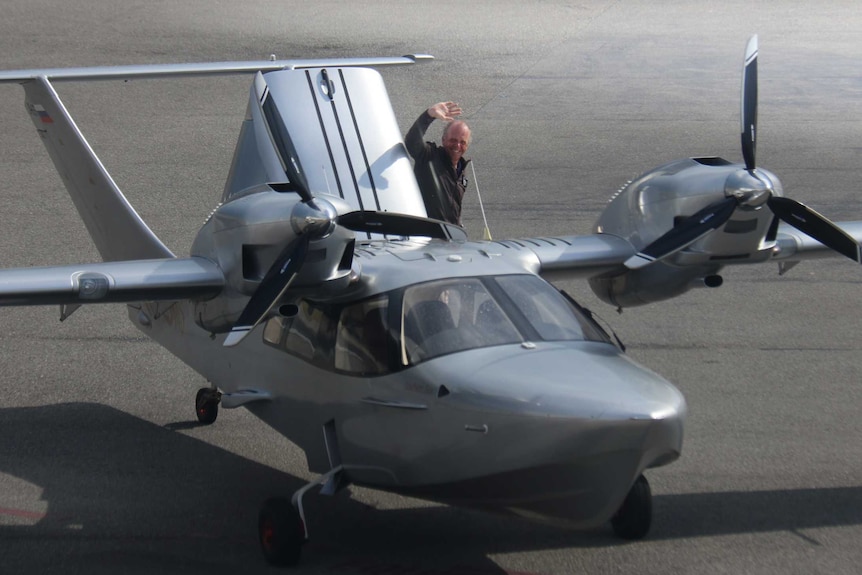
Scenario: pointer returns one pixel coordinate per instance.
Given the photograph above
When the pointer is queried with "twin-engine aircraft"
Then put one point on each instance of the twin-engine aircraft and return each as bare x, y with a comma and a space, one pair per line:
396, 352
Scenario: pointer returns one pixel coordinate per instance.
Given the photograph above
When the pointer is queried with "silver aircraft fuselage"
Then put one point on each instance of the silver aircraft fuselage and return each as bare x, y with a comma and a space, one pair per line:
553, 429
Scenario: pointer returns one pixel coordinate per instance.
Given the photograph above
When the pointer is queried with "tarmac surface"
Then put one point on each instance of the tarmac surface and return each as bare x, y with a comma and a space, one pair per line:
103, 468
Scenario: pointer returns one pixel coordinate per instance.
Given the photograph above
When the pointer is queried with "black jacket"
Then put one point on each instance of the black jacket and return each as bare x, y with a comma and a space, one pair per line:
442, 186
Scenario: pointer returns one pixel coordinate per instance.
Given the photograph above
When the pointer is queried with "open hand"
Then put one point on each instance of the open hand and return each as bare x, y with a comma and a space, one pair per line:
447, 111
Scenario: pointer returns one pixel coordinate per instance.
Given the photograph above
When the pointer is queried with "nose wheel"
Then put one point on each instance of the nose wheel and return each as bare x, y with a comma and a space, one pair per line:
206, 405
634, 517
281, 531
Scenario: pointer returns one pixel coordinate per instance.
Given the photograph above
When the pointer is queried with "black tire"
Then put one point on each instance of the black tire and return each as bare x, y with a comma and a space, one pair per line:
633, 519
280, 532
206, 405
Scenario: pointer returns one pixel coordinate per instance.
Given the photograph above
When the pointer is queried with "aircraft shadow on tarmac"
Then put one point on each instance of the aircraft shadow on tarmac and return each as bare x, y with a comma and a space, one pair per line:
121, 491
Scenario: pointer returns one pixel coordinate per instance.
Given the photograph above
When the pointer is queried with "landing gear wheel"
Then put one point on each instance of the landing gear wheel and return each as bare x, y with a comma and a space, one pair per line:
206, 405
634, 517
281, 532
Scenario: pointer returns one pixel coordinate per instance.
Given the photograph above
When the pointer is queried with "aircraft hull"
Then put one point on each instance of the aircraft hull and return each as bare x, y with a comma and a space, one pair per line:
487, 429
556, 433
578, 491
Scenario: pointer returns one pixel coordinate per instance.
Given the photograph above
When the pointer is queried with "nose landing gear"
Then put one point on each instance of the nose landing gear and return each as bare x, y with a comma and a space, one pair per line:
281, 531
281, 523
633, 519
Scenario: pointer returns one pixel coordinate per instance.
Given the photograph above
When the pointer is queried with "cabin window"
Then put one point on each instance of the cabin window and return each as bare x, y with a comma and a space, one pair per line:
353, 339
308, 334
361, 344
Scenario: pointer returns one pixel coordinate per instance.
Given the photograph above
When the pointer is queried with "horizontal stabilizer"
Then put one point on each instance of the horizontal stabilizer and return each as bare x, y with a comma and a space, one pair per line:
111, 282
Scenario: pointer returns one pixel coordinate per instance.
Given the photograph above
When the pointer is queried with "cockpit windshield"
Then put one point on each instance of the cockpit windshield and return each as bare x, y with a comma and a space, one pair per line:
457, 314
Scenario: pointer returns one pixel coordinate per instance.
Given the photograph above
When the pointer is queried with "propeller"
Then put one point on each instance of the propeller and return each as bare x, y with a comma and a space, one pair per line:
315, 218
750, 189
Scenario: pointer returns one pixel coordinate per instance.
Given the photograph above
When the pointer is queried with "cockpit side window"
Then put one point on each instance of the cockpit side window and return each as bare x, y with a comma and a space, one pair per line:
362, 340
308, 334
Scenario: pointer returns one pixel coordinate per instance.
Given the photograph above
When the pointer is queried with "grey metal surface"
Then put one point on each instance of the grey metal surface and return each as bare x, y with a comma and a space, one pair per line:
200, 68
111, 282
102, 470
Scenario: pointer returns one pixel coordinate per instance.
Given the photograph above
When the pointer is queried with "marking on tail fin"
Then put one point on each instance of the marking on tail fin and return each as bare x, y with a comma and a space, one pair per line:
325, 136
360, 141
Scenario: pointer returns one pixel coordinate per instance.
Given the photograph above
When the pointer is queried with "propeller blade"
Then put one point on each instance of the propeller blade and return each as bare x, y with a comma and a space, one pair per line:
400, 225
686, 233
748, 117
287, 151
276, 281
815, 225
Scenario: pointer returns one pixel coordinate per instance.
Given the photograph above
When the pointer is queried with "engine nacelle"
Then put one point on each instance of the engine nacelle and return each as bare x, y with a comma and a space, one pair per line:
651, 205
653, 283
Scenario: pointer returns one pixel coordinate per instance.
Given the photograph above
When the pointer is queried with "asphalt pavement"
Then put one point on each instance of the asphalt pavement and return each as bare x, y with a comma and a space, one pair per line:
103, 468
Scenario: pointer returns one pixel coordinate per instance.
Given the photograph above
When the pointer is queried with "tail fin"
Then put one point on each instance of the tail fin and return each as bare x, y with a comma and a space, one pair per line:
116, 228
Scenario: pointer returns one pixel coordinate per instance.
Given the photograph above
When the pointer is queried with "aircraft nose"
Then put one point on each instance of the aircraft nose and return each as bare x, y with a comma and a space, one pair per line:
592, 381
591, 386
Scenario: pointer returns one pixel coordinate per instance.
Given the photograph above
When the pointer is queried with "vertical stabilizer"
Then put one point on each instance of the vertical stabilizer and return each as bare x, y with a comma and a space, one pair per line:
337, 127
116, 228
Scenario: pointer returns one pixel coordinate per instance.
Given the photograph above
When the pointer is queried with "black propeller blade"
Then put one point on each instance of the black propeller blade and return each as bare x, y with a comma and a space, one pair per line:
815, 225
400, 225
689, 231
272, 287
748, 116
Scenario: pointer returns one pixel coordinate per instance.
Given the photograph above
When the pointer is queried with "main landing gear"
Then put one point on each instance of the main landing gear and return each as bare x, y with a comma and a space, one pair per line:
206, 405
281, 523
634, 517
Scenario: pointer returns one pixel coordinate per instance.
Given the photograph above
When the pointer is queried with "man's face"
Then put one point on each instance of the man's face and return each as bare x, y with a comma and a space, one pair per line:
456, 140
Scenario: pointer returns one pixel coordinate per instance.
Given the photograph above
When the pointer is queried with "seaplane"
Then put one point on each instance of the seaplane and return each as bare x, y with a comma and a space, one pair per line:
396, 351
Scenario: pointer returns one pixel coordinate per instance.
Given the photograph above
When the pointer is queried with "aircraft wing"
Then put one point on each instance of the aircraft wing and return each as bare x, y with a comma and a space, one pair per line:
570, 257
111, 282
586, 256
128, 72
794, 245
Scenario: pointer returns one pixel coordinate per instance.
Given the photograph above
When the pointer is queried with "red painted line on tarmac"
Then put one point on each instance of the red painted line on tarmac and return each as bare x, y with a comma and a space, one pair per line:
21, 513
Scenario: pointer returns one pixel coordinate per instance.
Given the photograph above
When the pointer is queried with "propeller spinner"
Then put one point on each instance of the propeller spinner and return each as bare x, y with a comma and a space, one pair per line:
748, 188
